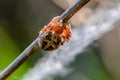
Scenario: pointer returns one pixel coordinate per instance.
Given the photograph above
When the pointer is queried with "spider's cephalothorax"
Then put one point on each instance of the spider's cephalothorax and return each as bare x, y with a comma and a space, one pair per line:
55, 34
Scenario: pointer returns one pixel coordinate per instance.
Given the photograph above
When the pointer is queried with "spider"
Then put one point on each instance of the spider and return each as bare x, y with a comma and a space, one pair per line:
55, 34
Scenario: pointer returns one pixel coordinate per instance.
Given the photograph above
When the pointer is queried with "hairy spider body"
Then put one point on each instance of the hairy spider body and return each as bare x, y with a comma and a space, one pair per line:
55, 34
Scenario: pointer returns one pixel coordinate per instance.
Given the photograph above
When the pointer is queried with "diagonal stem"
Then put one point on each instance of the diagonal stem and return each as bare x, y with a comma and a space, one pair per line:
34, 46
67, 14
19, 60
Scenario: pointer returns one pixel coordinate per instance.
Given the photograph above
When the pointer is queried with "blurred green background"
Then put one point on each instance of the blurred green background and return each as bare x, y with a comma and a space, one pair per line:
20, 22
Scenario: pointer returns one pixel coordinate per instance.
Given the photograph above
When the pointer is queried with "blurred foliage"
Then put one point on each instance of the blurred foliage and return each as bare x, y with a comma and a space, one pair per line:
87, 66
8, 52
90, 66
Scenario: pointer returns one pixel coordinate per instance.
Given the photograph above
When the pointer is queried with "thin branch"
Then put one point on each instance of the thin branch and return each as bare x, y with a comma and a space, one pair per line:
67, 14
19, 60
34, 46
